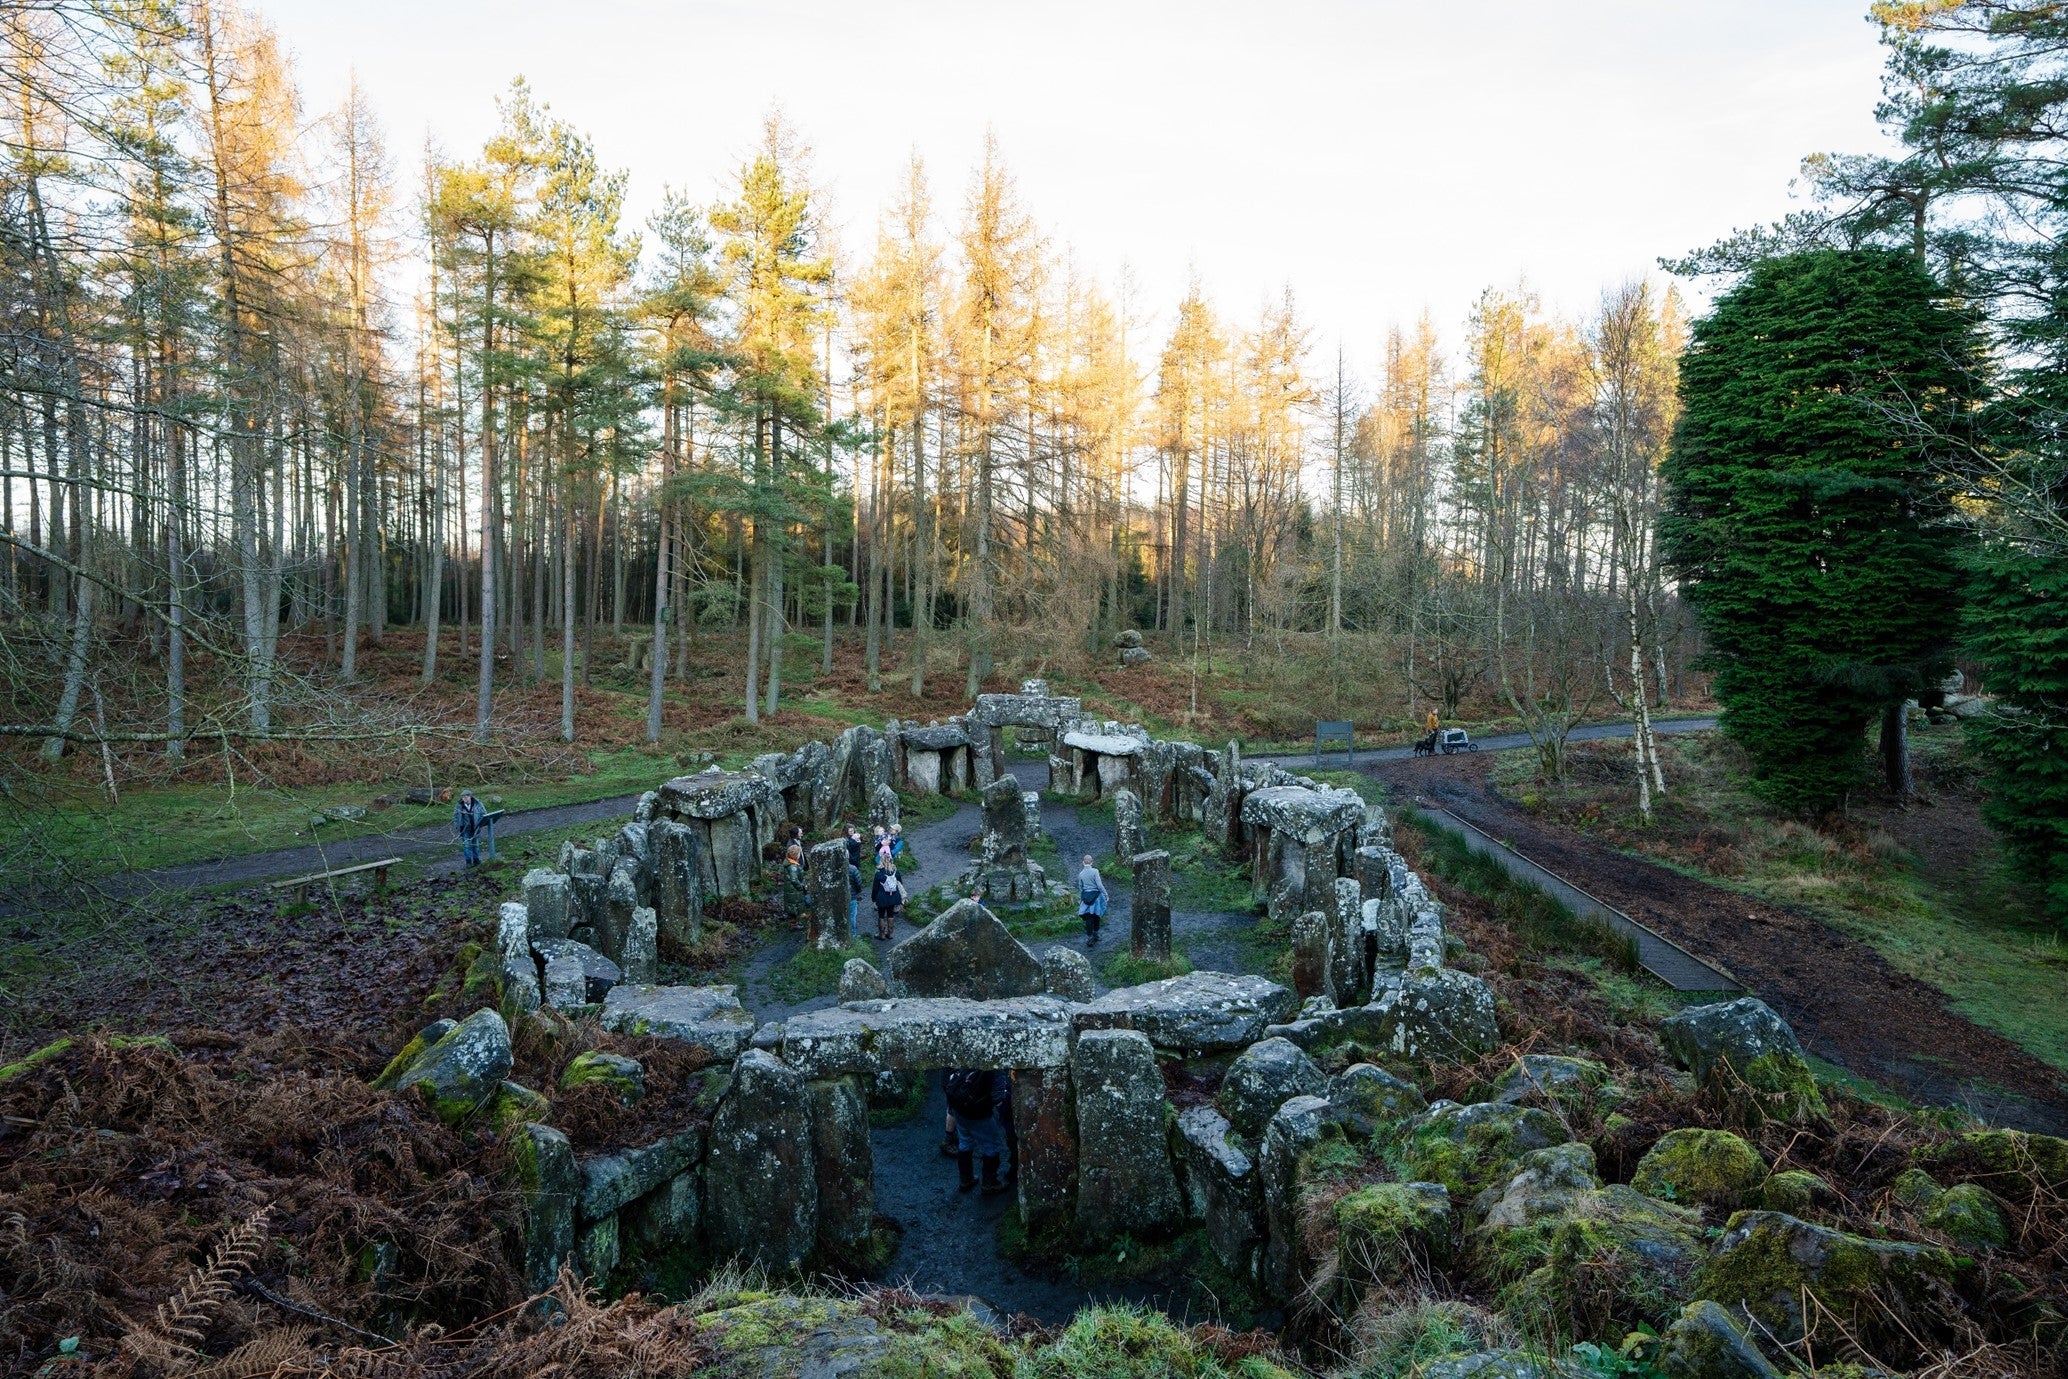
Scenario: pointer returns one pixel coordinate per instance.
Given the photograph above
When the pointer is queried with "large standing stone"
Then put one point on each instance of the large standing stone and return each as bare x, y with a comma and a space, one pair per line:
1299, 1126
761, 1185
1129, 835
1047, 1167
966, 952
1219, 1181
642, 945
846, 1168
620, 899
1005, 838
827, 923
1263, 1078
460, 1072
677, 888
1150, 908
1348, 981
884, 810
1312, 932
542, 1161
1374, 872
1124, 1178
548, 903
923, 770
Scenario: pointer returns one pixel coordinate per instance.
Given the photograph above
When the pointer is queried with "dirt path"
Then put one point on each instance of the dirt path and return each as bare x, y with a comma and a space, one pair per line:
1847, 1003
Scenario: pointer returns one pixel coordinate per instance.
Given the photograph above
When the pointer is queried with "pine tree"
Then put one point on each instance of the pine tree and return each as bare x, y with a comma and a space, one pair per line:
1802, 518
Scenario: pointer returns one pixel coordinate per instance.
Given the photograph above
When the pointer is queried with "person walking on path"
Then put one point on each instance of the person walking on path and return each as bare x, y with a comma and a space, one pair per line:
888, 894
1091, 899
796, 897
974, 1095
468, 819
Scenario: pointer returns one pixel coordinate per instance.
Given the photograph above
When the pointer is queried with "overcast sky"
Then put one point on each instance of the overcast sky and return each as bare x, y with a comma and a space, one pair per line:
1379, 157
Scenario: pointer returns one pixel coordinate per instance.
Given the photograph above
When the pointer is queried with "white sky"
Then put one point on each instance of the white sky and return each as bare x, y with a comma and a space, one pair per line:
1379, 157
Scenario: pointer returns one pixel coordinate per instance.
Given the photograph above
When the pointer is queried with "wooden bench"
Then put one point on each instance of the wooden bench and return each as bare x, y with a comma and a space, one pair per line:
301, 884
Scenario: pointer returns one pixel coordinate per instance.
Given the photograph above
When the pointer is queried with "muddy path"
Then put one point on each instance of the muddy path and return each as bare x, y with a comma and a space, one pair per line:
1847, 1003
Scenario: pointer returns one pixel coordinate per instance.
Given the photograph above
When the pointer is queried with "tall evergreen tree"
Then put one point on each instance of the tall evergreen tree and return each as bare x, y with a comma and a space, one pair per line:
1802, 515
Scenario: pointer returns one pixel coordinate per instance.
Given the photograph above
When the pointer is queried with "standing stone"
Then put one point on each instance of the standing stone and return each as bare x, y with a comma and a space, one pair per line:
984, 772
1124, 1177
1068, 975
735, 854
512, 928
923, 770
846, 1165
826, 921
860, 981
642, 943
1348, 982
871, 766
615, 923
1263, 1078
1047, 1167
1310, 953
894, 753
1005, 823
1299, 1126
884, 810
966, 952
1129, 837
1116, 773
761, 1185
1374, 872
678, 887
1151, 905
548, 1186
667, 1217
520, 984
956, 769
567, 981
1030, 806
548, 902
1219, 1181
1156, 762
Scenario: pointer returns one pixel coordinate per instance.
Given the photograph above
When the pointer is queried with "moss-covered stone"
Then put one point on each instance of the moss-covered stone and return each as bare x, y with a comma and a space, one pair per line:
457, 1074
2036, 1161
1469, 1148
1705, 1343
1713, 1167
1767, 1263
1915, 1189
1794, 1191
1503, 1364
1780, 1086
406, 1059
1609, 1257
594, 1067
761, 1335
514, 1104
1123, 1342
1968, 1216
1385, 1231
1552, 1081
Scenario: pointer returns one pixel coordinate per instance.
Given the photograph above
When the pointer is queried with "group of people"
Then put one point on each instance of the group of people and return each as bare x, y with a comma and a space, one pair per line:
887, 891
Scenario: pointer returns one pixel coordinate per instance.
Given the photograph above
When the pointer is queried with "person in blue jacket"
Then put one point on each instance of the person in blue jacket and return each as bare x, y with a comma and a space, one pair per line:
976, 1096
468, 819
1091, 900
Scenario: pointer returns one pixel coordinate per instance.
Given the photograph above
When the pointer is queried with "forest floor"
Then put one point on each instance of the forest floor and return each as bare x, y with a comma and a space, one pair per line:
1889, 938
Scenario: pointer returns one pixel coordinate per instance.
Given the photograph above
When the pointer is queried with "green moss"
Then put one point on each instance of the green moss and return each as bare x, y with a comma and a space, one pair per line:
1782, 1087
620, 1074
1969, 1217
1793, 1191
1125, 1342
1916, 1189
2040, 1161
1384, 1230
1769, 1263
1472, 1148
484, 971
58, 1046
514, 1104
1713, 1167
411, 1052
1612, 1258
1121, 968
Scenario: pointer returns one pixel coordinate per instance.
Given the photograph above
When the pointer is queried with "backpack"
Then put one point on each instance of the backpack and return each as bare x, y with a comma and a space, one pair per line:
887, 893
969, 1094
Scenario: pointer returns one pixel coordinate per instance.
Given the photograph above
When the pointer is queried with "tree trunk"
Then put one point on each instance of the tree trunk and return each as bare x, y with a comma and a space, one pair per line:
1895, 751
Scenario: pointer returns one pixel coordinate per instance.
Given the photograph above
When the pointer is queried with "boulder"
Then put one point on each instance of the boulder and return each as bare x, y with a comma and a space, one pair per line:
1127, 638
625, 1077
1102, 744
1311, 816
1388, 1232
518, 976
1136, 656
708, 1016
1200, 1012
563, 956
868, 1037
845, 1165
513, 928
1542, 1183
548, 1188
1446, 1015
1067, 975
2012, 1161
1604, 1261
1705, 1343
1793, 1191
761, 1186
1130, 835
1743, 1053
1966, 1214
1124, 1177
1503, 1364
966, 952
548, 903
1878, 1290
1550, 1080
1365, 1097
1264, 1077
566, 983
459, 1072
1469, 1148
1149, 907
1218, 1180
1712, 1167
860, 981
668, 1217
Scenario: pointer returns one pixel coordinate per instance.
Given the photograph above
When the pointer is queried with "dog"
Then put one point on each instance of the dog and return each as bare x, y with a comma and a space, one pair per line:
1426, 747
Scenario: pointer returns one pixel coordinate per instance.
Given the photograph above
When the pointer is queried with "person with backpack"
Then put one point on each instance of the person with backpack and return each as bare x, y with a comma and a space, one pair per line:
888, 894
468, 819
1091, 900
974, 1096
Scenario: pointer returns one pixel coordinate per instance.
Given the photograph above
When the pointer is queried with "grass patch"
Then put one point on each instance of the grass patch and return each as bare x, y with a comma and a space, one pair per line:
812, 972
1541, 923
1122, 968
914, 810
